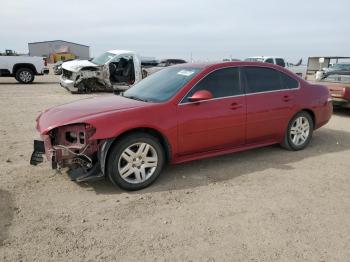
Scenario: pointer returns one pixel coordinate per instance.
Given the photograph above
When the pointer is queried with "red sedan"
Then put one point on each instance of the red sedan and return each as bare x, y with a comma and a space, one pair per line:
181, 113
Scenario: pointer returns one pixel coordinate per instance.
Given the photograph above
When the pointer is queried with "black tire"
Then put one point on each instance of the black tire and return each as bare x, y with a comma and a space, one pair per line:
117, 150
24, 75
83, 88
288, 141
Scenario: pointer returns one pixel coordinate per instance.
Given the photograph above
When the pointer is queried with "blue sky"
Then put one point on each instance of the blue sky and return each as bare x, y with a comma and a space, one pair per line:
209, 29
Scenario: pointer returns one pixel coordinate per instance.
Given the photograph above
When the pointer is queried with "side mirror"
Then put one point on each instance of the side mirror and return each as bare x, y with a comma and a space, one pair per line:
200, 95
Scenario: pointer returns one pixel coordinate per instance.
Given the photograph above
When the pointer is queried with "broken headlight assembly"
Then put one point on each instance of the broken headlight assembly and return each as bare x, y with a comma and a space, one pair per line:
71, 146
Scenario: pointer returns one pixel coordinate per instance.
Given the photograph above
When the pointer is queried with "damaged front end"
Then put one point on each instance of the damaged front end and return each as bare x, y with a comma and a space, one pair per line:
70, 147
86, 80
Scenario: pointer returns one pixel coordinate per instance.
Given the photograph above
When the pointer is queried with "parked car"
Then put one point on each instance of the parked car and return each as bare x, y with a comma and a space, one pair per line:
336, 69
22, 68
182, 113
115, 70
336, 76
297, 68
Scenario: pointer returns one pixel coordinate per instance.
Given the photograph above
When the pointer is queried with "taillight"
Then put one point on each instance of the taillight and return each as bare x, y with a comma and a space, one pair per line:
45, 61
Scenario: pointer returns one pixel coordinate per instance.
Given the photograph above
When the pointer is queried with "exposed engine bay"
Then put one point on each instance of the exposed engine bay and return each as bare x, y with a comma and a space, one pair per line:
70, 147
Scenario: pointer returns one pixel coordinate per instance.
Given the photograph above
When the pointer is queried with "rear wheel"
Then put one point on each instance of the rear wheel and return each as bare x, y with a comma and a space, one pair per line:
299, 132
25, 75
135, 161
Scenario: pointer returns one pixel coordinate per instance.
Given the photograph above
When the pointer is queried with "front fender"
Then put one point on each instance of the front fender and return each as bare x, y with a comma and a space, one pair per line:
103, 153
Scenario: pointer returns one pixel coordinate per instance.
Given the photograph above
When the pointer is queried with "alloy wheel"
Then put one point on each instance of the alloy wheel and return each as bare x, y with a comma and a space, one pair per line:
299, 131
25, 76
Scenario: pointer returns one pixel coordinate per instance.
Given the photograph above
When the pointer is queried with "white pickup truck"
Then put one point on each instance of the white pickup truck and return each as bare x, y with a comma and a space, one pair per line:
23, 68
297, 68
114, 70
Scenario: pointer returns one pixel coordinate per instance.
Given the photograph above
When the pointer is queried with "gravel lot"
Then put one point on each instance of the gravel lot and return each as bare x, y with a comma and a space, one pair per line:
266, 204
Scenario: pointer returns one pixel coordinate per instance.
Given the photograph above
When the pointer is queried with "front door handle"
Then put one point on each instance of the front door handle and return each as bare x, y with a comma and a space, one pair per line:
235, 106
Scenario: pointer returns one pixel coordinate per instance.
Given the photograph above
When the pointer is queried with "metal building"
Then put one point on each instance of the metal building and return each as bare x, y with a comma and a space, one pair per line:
48, 48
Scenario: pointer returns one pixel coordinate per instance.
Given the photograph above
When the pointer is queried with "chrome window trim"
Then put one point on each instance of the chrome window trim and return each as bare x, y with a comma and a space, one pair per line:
244, 94
216, 98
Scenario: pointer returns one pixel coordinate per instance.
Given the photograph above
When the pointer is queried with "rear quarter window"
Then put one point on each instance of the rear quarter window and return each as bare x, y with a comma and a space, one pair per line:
289, 82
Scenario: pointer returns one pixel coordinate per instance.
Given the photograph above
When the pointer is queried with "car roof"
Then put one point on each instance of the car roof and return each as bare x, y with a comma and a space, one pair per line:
120, 52
209, 65
265, 56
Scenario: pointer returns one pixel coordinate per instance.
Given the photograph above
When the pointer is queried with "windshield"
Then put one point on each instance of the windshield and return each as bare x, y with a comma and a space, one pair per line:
254, 59
161, 86
102, 59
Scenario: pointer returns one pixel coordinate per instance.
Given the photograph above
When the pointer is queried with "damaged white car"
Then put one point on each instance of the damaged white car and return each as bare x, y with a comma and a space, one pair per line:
115, 70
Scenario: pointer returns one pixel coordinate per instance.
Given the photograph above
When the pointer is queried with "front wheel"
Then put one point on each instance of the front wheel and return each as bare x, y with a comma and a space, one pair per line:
25, 75
135, 161
299, 132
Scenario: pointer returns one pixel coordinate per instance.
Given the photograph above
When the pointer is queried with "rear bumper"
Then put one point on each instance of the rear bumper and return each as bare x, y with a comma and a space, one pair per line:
323, 114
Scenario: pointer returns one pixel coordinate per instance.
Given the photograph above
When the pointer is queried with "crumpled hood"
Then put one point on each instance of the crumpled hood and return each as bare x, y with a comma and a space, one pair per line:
81, 110
76, 65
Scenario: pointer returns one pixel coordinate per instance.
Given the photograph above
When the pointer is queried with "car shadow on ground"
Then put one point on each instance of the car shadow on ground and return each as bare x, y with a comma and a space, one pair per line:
206, 171
6, 214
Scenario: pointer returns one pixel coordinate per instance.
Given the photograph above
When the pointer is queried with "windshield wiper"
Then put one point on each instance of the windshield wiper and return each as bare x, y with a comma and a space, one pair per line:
136, 98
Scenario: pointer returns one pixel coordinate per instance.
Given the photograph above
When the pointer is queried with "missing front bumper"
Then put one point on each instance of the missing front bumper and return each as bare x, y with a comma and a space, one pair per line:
76, 174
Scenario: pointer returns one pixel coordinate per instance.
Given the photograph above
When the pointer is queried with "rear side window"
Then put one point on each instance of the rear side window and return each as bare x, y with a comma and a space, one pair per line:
280, 62
221, 83
288, 82
261, 79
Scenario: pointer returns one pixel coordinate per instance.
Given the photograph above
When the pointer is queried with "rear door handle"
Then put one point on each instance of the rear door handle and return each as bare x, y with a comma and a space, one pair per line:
235, 106
286, 98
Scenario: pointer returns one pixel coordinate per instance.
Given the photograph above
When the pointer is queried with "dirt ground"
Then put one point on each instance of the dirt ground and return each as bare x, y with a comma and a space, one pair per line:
266, 204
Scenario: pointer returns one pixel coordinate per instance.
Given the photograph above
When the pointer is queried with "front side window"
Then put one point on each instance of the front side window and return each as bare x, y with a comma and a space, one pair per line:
261, 79
221, 83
